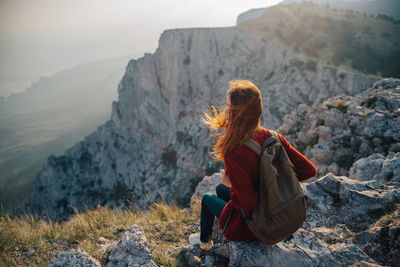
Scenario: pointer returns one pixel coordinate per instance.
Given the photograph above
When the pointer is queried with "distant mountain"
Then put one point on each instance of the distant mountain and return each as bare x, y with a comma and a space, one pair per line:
51, 115
347, 39
389, 8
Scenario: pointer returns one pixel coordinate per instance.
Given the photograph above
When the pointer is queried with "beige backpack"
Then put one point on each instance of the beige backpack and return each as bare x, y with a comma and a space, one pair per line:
281, 207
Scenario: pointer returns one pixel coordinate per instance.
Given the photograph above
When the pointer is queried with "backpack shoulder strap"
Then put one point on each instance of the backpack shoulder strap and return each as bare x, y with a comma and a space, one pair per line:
251, 143
256, 147
275, 134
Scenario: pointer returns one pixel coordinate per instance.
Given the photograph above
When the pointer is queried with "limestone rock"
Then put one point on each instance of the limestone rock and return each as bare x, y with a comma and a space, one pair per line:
338, 131
72, 258
207, 185
357, 204
304, 249
337, 208
132, 250
381, 240
377, 167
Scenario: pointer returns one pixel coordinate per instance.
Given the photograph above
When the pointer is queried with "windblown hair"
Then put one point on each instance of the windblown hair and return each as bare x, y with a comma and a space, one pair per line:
238, 120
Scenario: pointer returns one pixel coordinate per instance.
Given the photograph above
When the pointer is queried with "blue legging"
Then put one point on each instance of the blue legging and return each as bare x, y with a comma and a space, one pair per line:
211, 206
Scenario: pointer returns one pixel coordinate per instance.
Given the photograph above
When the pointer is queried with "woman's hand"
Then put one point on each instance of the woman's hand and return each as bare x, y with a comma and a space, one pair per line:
225, 178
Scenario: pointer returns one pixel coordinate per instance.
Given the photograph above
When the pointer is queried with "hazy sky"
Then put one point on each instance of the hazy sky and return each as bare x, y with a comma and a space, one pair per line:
41, 37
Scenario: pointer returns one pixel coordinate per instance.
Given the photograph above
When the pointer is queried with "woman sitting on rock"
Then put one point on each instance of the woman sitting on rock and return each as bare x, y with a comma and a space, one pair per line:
239, 121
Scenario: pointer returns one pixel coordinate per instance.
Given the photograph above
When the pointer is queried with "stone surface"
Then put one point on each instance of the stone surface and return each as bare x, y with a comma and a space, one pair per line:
339, 209
338, 131
357, 204
381, 240
132, 250
305, 249
377, 167
73, 258
207, 185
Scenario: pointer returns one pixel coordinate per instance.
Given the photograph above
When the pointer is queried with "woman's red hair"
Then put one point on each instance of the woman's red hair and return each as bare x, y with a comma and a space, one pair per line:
238, 120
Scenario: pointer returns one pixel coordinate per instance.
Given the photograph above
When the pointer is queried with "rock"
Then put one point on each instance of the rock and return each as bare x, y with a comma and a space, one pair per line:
321, 155
381, 240
377, 167
207, 185
193, 261
357, 204
367, 168
72, 258
132, 250
344, 129
305, 249
340, 212
391, 168
107, 247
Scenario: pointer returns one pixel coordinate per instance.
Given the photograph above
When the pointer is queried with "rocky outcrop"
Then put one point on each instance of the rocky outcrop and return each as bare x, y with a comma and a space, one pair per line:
132, 250
378, 167
154, 145
207, 185
322, 247
72, 258
381, 241
340, 228
350, 221
338, 131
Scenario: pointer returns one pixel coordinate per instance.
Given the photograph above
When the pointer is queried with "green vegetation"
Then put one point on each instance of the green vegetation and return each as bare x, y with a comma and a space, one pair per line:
311, 65
169, 156
340, 105
314, 140
344, 160
346, 39
297, 127
27, 241
370, 103
391, 218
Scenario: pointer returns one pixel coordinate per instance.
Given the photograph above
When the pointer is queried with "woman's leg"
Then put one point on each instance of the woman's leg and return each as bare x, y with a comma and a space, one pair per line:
223, 192
211, 206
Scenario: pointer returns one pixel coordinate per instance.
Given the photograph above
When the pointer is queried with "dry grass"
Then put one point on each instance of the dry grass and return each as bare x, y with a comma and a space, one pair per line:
27, 241
392, 218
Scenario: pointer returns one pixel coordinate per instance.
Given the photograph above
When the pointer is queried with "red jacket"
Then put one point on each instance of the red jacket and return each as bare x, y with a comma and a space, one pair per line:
243, 171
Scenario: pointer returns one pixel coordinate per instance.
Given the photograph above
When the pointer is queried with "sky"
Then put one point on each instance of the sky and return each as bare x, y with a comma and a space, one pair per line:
42, 37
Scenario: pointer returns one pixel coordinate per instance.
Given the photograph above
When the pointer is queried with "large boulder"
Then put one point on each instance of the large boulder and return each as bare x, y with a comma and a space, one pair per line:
308, 247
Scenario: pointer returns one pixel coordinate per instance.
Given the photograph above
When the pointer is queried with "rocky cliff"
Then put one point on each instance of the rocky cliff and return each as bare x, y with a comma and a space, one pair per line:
338, 131
154, 145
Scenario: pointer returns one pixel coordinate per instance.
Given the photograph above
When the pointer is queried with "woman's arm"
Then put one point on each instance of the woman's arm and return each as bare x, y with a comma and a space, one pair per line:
303, 167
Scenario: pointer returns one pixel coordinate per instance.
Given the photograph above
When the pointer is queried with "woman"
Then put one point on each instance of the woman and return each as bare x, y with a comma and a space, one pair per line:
239, 121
